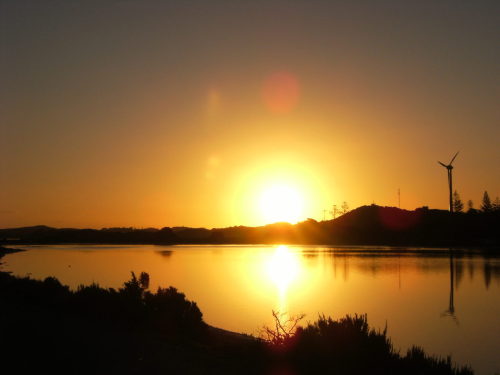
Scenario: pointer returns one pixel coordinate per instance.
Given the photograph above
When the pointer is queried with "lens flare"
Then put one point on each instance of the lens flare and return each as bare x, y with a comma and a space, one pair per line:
281, 92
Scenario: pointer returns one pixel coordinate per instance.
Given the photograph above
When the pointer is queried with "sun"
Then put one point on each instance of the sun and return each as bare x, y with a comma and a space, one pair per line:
281, 202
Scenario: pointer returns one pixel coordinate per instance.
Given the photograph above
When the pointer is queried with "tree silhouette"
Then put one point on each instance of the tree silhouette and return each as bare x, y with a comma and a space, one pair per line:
470, 205
458, 206
144, 280
345, 208
334, 212
496, 204
486, 206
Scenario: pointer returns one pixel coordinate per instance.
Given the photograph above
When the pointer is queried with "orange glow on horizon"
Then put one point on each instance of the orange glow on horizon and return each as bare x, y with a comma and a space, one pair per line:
285, 190
186, 118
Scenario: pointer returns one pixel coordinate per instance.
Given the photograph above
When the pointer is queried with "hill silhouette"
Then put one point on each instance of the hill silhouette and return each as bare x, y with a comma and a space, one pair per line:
366, 225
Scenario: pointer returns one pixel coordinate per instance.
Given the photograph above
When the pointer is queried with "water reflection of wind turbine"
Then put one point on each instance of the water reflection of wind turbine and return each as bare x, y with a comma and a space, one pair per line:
451, 305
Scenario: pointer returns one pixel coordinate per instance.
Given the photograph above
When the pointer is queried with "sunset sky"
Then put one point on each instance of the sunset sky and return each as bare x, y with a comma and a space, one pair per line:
204, 113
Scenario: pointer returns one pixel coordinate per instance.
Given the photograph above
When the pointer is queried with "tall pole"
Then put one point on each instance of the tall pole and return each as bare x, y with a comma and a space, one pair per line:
451, 188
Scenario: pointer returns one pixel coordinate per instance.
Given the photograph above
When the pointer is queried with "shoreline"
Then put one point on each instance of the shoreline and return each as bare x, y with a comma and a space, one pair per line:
222, 336
9, 250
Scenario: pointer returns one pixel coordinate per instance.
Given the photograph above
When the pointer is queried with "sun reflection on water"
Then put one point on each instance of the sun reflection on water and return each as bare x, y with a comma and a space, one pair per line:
283, 268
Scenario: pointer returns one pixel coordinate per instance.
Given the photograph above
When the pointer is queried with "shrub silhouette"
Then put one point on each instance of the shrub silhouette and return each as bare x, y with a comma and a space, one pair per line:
350, 346
339, 345
170, 312
132, 330
167, 310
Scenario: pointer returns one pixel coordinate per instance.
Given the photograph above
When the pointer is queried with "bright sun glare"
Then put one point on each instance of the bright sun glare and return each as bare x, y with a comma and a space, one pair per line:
281, 202
283, 267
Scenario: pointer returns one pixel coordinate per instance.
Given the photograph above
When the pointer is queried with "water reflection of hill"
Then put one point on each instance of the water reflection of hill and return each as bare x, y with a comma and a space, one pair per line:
463, 262
165, 253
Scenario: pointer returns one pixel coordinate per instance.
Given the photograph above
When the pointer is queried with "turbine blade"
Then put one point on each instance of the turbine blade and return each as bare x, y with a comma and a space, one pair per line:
444, 165
454, 157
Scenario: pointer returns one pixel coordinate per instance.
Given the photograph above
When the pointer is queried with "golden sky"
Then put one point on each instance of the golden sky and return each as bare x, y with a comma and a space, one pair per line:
168, 113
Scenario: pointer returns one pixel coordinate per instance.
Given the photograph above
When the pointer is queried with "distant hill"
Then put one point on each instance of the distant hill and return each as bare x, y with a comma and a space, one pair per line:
366, 225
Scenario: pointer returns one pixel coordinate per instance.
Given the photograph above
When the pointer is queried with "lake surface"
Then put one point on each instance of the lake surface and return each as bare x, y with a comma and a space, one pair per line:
448, 304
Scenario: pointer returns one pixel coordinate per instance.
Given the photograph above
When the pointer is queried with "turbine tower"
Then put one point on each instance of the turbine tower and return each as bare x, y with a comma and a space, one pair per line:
449, 167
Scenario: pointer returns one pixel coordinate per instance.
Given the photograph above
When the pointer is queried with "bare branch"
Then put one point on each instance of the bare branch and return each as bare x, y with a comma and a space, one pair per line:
284, 329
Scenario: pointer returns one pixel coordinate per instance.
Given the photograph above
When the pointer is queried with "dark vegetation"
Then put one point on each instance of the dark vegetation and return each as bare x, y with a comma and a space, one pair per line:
47, 328
350, 346
367, 225
8, 250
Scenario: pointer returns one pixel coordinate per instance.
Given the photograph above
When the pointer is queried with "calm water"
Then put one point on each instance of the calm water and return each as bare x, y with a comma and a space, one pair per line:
448, 305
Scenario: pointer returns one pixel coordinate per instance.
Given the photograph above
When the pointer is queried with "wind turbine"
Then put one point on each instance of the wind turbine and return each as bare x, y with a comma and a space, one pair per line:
449, 167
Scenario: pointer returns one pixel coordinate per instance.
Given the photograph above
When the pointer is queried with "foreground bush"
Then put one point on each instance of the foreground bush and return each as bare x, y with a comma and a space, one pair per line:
350, 346
131, 306
167, 311
47, 328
